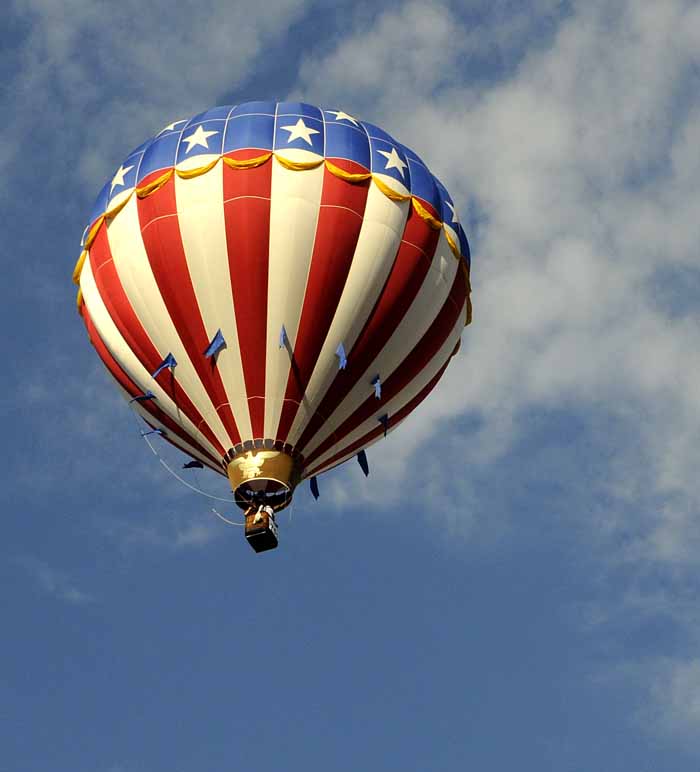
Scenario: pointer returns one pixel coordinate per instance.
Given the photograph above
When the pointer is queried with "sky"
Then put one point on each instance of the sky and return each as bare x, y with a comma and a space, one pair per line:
515, 585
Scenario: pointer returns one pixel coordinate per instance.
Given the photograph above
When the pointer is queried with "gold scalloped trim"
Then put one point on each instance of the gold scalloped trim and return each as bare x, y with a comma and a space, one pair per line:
157, 184
465, 271
454, 246
297, 166
336, 171
188, 174
425, 215
110, 214
79, 267
93, 232
388, 192
248, 163
251, 163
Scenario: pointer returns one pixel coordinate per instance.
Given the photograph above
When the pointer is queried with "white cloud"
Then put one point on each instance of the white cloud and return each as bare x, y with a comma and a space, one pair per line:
679, 693
577, 172
53, 582
669, 697
120, 71
166, 528
577, 175
582, 162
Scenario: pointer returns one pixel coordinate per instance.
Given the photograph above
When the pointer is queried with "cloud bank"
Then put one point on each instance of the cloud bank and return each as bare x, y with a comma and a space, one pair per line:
569, 133
53, 582
577, 170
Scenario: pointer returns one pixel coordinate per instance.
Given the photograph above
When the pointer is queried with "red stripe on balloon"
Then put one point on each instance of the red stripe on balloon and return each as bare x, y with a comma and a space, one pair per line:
410, 268
124, 317
247, 221
377, 433
339, 223
420, 356
160, 230
123, 379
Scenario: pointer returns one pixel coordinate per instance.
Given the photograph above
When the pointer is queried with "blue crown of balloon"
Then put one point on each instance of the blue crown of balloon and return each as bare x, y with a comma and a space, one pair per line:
299, 135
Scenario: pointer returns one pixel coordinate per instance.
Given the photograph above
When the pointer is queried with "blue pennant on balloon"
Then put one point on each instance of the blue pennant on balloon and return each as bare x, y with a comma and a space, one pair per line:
362, 461
342, 359
168, 362
384, 421
153, 431
143, 397
313, 484
217, 343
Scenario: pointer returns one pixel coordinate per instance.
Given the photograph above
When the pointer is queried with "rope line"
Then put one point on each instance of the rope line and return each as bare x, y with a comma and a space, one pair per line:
194, 488
173, 472
225, 519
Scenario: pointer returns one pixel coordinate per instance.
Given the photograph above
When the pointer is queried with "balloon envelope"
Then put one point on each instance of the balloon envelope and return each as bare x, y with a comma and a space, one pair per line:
274, 286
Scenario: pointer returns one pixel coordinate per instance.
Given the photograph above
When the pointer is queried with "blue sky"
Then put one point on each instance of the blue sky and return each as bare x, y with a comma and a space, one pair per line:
515, 585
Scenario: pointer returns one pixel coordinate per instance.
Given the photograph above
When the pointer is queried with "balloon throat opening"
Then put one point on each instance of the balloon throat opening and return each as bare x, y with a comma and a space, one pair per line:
266, 477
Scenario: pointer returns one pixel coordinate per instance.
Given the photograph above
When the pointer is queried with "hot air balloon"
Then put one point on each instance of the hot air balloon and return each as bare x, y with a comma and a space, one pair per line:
274, 287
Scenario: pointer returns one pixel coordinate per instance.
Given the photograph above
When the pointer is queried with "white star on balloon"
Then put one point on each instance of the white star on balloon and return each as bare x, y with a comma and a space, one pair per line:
198, 137
455, 217
118, 178
341, 116
300, 131
393, 160
171, 126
